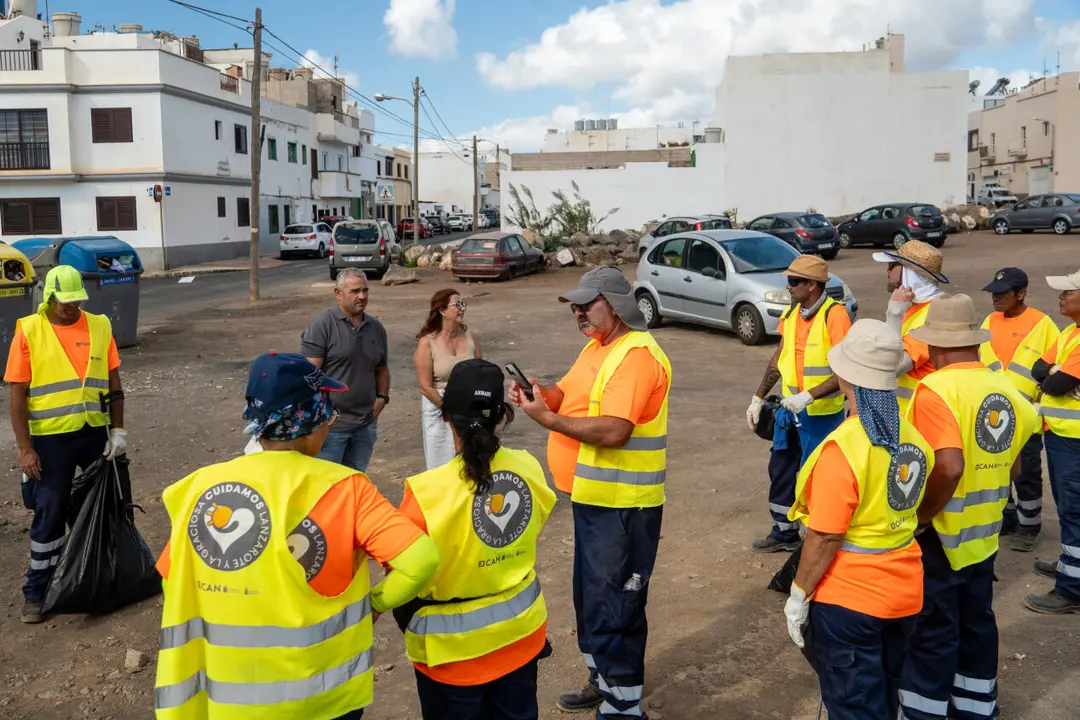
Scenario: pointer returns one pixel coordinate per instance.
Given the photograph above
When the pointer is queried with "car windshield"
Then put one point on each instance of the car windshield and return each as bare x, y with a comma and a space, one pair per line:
925, 211
476, 245
299, 230
356, 234
1074, 198
759, 254
716, 224
814, 221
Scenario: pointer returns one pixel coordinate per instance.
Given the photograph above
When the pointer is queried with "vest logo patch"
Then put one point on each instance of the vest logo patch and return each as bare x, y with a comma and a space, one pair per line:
907, 476
229, 526
501, 515
995, 424
308, 547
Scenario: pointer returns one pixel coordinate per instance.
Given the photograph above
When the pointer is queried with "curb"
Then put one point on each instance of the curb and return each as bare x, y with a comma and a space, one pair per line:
189, 273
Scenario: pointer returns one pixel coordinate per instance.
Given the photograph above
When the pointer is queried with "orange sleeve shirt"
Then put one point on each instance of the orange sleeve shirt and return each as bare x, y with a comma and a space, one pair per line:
75, 339
1071, 366
1006, 334
837, 323
353, 515
634, 392
888, 585
485, 668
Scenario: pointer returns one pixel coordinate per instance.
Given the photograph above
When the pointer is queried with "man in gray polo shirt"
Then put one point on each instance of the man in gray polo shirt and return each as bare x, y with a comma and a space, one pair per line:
350, 346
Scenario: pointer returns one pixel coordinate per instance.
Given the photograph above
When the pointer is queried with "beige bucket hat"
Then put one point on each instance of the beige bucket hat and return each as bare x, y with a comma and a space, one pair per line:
952, 322
868, 356
918, 256
1064, 283
809, 267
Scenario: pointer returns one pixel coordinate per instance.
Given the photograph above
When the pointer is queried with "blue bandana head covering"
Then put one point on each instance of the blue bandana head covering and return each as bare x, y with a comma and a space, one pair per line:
291, 421
879, 414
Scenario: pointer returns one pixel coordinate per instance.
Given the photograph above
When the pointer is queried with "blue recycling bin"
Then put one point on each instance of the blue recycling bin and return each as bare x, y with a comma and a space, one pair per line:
110, 270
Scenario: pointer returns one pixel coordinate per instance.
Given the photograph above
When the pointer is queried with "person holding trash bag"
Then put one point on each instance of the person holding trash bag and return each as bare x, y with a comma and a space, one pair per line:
62, 363
477, 630
265, 615
859, 581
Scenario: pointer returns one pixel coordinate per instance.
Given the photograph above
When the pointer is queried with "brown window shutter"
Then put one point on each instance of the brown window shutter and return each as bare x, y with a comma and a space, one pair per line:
125, 214
15, 217
101, 126
46, 216
106, 214
121, 121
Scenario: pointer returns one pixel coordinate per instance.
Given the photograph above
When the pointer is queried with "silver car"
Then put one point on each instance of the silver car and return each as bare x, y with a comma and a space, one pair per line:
370, 245
728, 279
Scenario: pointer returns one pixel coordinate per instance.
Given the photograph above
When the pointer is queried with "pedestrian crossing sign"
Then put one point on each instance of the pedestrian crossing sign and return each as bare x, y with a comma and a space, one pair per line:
384, 194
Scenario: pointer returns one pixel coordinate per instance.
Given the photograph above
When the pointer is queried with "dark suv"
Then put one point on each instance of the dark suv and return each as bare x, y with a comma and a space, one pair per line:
894, 225
437, 224
809, 233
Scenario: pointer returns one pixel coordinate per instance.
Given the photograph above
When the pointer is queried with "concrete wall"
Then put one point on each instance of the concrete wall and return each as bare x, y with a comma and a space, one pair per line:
674, 157
619, 139
448, 179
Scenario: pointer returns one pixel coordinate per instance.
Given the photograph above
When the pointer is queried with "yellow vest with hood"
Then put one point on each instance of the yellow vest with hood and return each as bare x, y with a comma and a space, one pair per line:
816, 368
906, 383
243, 635
1062, 414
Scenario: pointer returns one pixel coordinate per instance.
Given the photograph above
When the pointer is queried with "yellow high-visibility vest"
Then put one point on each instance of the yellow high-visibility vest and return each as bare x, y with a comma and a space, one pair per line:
995, 421
1062, 414
906, 383
631, 476
243, 635
485, 594
816, 368
1041, 338
890, 487
58, 400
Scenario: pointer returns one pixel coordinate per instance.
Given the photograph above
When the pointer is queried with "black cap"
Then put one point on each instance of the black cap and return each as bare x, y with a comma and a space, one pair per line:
279, 380
1007, 279
474, 391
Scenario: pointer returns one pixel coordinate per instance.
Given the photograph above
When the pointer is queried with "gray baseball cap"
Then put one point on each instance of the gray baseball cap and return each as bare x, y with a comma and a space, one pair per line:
616, 289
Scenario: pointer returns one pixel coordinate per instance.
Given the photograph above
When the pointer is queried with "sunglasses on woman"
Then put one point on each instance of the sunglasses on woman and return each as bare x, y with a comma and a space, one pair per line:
460, 304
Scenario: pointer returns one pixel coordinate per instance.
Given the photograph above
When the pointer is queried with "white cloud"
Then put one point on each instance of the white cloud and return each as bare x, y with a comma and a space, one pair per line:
421, 28
324, 67
1061, 37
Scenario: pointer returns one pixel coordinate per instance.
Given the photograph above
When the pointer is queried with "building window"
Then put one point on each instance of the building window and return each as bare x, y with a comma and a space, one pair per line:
288, 214
291, 149
378, 167
398, 169
973, 140
24, 140
1046, 129
1023, 136
221, 207
303, 154
340, 162
406, 172
314, 212
217, 129
993, 142
326, 161
356, 151
243, 213
111, 125
116, 213
272, 213
271, 149
240, 139
30, 216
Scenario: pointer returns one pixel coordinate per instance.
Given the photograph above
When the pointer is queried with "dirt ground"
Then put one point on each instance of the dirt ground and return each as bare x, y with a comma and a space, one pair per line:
718, 646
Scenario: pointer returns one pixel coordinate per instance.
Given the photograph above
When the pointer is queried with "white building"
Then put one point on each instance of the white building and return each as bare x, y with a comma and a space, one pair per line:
385, 206
447, 179
612, 137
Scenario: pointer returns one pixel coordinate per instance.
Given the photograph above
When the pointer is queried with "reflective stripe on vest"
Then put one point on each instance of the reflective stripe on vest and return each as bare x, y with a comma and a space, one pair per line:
632, 476
1062, 412
456, 624
816, 368
863, 550
906, 383
58, 400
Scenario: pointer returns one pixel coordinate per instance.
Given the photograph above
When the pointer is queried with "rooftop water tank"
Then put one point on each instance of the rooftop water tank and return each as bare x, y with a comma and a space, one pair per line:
66, 24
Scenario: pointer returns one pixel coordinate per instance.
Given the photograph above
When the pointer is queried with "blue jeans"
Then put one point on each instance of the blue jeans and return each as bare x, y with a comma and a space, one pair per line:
1063, 462
510, 697
859, 659
351, 448
784, 466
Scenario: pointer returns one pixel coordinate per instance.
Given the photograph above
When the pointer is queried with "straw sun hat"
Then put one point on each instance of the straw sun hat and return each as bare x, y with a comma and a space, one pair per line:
918, 256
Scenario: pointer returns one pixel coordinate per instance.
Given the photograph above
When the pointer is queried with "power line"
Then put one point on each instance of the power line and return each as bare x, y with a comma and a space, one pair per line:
444, 140
448, 130
208, 11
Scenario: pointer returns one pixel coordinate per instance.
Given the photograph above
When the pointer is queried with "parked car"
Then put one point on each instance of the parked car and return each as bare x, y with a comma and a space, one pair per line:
809, 233
501, 255
894, 225
1059, 212
995, 196
728, 279
405, 230
456, 223
483, 222
680, 224
370, 245
437, 225
305, 239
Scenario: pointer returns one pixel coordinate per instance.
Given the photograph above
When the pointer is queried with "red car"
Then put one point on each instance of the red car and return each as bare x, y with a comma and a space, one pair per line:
501, 255
405, 230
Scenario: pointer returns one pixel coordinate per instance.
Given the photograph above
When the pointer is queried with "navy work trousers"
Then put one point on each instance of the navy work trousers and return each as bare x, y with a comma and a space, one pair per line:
950, 670
1063, 462
859, 659
611, 545
1024, 510
784, 466
511, 697
61, 456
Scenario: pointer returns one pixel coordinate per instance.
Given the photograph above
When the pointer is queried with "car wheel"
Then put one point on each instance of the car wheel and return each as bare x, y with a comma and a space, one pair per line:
321, 254
845, 241
1061, 227
898, 240
748, 325
648, 308
333, 273
1001, 227
831, 255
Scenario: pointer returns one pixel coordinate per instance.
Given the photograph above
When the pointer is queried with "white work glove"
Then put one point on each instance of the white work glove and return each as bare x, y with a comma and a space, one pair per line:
795, 404
797, 611
753, 413
116, 444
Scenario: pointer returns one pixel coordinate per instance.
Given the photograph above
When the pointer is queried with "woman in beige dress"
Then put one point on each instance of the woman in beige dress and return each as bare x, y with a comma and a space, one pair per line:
442, 343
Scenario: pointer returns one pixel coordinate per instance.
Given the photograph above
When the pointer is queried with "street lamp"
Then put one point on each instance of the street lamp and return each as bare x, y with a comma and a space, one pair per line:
415, 102
1053, 137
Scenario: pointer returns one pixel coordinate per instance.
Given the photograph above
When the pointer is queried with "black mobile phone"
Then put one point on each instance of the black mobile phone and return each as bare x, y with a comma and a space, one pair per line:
519, 377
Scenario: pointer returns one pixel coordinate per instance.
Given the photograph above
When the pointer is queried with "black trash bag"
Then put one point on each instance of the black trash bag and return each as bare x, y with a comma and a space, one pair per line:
781, 581
106, 563
766, 423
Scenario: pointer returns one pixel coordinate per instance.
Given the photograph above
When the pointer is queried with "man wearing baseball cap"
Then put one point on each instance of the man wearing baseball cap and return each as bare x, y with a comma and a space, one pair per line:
1019, 337
1058, 375
265, 615
813, 405
915, 278
63, 367
607, 419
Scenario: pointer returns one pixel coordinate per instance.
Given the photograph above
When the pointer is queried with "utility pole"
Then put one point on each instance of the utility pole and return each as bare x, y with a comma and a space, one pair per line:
416, 160
476, 187
256, 161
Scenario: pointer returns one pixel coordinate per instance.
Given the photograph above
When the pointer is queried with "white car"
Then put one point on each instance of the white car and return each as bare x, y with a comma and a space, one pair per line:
484, 222
305, 239
456, 223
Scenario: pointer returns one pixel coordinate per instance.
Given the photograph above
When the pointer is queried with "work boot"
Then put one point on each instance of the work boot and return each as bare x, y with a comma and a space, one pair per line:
771, 545
1052, 604
587, 698
31, 613
1024, 541
1045, 568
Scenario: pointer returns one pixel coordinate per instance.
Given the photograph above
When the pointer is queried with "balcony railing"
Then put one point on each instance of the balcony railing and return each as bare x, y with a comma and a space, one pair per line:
24, 156
230, 84
348, 120
16, 60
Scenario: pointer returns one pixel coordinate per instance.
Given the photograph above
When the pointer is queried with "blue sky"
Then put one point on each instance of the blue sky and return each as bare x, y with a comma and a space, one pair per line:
508, 69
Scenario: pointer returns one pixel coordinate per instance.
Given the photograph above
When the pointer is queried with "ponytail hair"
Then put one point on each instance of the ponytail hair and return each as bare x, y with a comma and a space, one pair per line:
479, 443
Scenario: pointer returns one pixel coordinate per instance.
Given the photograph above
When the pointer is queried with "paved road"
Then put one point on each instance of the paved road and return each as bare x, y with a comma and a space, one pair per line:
441, 239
